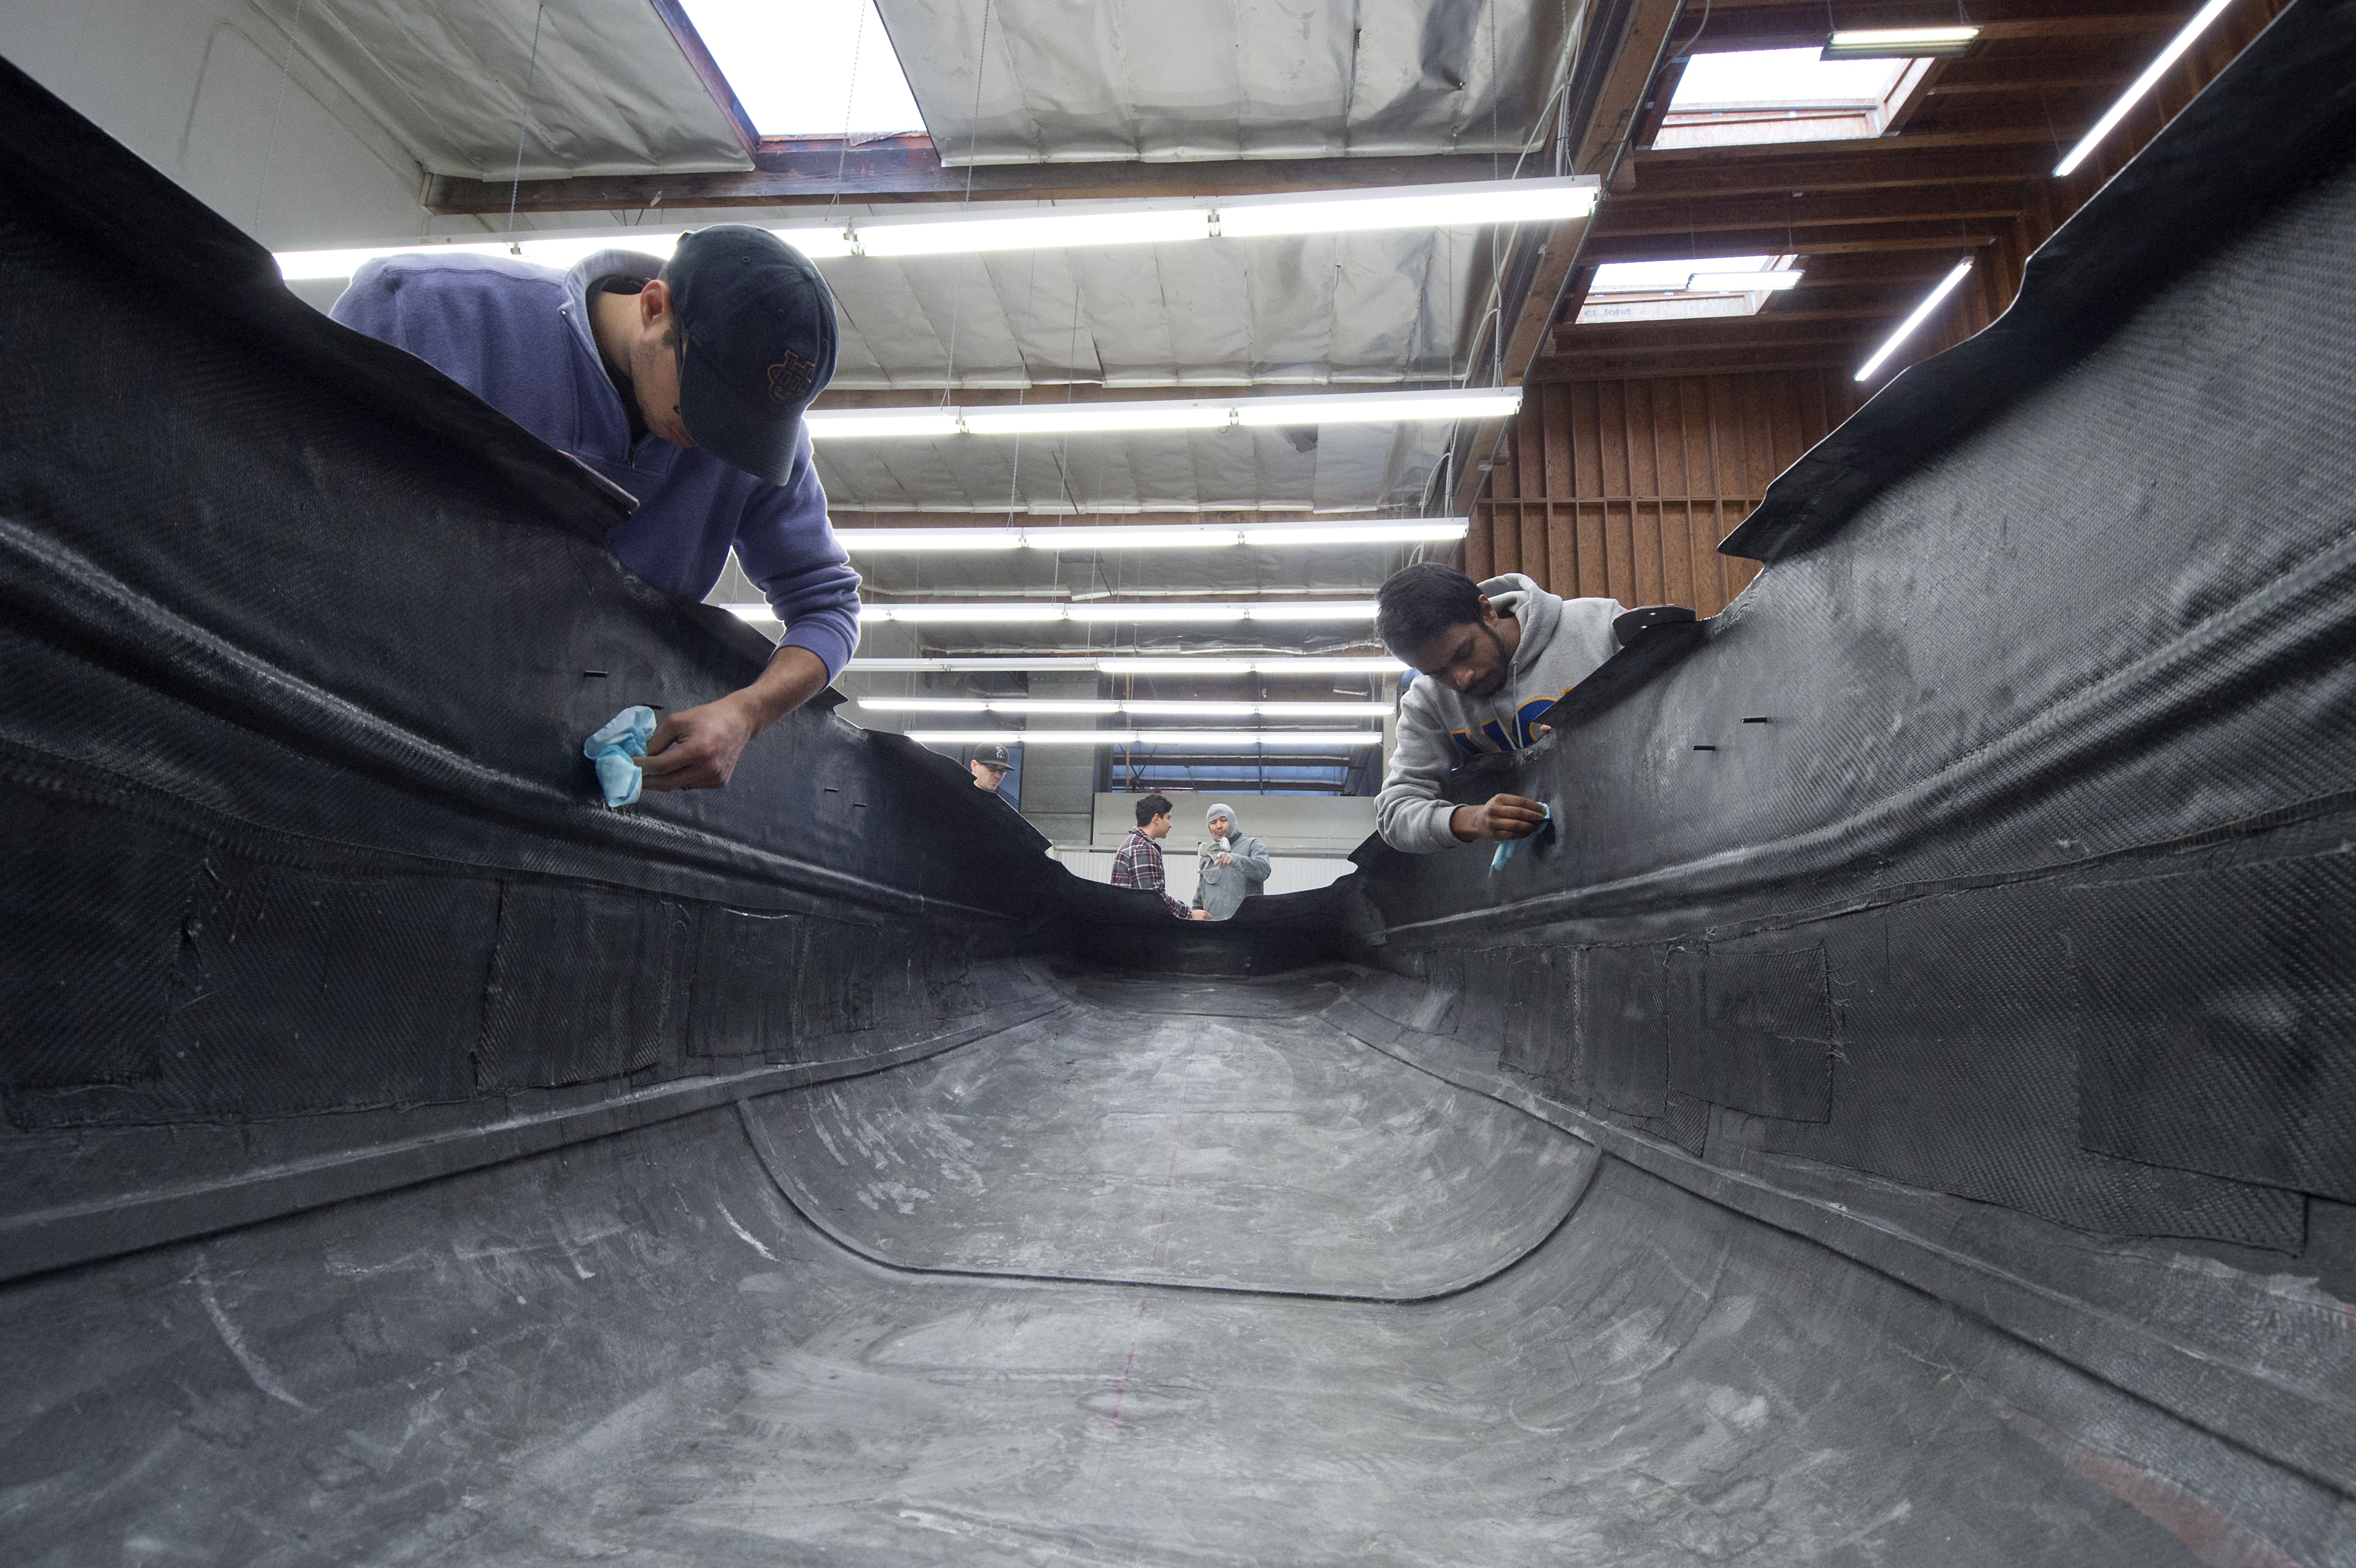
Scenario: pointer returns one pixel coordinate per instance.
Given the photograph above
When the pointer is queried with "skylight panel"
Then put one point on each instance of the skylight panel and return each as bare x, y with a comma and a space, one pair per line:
809, 68
1668, 277
1684, 289
1761, 78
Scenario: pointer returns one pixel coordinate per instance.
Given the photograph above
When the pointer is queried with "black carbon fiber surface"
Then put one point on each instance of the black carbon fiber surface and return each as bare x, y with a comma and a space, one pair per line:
2006, 960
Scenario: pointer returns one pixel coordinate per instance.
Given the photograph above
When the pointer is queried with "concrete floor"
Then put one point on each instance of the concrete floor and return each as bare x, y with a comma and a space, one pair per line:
640, 1350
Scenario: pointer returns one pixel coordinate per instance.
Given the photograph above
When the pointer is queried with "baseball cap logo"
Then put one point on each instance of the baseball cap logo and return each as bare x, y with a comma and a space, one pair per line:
789, 378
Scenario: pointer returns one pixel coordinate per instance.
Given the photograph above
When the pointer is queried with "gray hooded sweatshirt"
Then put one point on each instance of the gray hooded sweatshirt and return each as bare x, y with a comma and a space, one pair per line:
1562, 642
1220, 890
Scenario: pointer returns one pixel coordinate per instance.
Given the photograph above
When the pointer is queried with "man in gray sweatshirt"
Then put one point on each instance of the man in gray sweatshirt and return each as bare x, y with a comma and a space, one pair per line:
1233, 866
1491, 657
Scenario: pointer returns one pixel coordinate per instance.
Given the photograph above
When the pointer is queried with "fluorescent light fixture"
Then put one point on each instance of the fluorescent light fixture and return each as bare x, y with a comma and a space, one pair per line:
1922, 314
1282, 740
853, 424
1279, 664
1087, 418
896, 540
1418, 531
973, 231
1055, 705
1381, 408
977, 612
1148, 536
1742, 283
1899, 43
1102, 610
1032, 232
1313, 609
1408, 207
1126, 664
1109, 611
2142, 84
1172, 414
1265, 710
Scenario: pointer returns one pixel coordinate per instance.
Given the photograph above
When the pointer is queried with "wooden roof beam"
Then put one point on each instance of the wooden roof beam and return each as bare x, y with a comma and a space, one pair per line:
1670, 219
1832, 240
2028, 158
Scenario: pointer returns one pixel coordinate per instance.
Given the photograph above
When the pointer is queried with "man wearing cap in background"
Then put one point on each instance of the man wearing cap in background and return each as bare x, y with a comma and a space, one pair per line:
684, 382
988, 767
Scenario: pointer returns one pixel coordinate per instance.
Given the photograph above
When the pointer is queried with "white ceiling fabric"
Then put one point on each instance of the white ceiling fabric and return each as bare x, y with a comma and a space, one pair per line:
610, 91
1082, 79
1339, 468
1371, 308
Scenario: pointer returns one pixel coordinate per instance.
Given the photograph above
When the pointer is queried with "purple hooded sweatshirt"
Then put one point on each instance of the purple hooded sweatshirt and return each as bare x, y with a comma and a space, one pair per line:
518, 337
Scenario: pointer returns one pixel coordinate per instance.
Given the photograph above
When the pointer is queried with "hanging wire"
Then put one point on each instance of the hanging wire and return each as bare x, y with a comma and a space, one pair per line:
849, 97
270, 146
523, 112
972, 147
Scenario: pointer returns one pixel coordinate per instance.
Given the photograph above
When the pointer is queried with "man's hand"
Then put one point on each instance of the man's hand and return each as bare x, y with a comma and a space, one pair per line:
1503, 817
1226, 859
697, 748
1199, 914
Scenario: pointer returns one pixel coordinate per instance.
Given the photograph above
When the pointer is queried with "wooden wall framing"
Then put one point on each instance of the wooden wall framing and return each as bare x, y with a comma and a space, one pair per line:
1622, 489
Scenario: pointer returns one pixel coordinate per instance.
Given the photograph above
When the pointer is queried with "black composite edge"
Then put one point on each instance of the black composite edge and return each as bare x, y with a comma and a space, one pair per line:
2214, 1396
51, 1238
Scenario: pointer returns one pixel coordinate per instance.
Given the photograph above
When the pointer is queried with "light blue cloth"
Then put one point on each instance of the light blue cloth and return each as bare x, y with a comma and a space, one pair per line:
623, 738
1507, 847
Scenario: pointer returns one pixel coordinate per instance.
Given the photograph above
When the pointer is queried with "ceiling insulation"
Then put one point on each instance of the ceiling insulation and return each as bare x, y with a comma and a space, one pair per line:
609, 90
1075, 80
1340, 468
1378, 309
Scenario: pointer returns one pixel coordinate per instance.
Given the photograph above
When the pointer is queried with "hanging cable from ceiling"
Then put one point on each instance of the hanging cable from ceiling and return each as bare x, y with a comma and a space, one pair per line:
523, 113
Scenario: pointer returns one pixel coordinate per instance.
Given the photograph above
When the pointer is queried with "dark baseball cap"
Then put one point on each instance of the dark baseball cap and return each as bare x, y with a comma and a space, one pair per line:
756, 343
993, 756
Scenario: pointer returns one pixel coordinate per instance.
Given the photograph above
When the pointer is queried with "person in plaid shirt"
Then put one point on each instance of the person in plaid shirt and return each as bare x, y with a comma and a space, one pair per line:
1138, 864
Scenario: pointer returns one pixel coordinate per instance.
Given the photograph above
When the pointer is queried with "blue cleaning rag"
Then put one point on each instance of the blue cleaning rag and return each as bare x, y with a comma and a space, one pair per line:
1507, 847
623, 738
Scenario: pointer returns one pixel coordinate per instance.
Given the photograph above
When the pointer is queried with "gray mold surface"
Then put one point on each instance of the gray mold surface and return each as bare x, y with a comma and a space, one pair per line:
637, 1349
1309, 1166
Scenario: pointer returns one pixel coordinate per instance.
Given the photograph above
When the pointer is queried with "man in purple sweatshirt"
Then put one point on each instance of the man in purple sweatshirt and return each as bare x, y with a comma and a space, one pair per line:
683, 383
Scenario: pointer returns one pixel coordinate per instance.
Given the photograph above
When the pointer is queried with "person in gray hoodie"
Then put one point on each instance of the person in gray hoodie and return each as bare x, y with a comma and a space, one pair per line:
1233, 867
1491, 657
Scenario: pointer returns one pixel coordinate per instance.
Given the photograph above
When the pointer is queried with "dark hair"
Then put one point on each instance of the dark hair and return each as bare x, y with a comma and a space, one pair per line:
1152, 806
1421, 602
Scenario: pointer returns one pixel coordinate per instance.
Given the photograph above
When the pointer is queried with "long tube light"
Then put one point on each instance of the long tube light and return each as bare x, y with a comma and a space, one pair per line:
1899, 43
1132, 664
1097, 418
1286, 740
1148, 536
1922, 314
1059, 705
1098, 610
969, 231
2141, 85
1101, 611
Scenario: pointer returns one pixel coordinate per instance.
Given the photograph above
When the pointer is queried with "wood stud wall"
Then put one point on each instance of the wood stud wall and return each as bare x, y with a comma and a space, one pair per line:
1622, 489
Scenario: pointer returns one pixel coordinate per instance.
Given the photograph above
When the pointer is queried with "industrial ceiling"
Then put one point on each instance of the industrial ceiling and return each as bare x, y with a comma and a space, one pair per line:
521, 116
